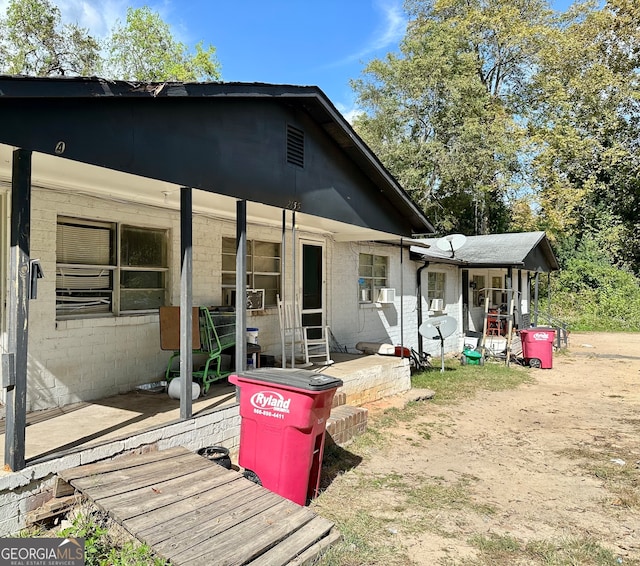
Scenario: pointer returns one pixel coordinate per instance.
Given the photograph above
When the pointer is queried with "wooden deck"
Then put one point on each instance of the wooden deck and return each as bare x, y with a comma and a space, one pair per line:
194, 512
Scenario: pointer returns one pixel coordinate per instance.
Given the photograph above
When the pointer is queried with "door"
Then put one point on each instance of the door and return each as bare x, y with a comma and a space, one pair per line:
312, 286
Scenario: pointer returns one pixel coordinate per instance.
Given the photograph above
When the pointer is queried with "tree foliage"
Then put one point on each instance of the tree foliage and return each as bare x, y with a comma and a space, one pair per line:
444, 114
504, 114
584, 109
591, 294
34, 41
144, 49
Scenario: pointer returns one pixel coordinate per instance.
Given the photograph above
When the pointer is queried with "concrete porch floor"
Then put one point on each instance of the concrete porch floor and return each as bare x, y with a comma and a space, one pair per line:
85, 424
81, 425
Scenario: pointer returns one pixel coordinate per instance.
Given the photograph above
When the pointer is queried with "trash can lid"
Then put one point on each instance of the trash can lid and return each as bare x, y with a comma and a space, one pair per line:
291, 377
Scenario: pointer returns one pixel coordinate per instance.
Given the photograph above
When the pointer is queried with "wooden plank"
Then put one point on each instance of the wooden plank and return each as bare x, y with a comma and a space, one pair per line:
121, 463
52, 508
170, 328
311, 554
185, 514
295, 544
214, 519
253, 537
130, 479
194, 512
145, 500
61, 488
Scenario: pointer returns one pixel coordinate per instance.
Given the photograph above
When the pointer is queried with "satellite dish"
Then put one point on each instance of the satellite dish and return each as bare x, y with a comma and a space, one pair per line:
438, 328
451, 243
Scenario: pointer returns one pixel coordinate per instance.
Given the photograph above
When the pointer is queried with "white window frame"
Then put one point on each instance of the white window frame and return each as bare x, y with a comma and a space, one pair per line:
436, 286
255, 279
114, 268
370, 280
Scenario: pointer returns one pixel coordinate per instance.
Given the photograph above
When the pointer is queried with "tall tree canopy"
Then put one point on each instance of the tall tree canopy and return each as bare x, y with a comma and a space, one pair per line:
144, 49
443, 114
504, 114
34, 41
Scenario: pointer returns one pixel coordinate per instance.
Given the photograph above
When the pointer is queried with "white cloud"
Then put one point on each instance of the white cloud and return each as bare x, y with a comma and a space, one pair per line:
388, 34
98, 16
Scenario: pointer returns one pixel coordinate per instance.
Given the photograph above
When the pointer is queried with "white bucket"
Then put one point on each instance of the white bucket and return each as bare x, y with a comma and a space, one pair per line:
175, 385
252, 335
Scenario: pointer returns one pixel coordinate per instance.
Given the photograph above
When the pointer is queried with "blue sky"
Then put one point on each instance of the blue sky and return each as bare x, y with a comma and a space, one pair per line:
304, 42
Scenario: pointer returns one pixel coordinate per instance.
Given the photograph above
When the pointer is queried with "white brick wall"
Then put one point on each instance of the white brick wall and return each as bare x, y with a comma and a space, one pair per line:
87, 359
353, 322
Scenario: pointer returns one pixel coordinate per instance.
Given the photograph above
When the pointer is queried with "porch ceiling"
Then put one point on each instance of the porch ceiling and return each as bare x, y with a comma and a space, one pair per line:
79, 178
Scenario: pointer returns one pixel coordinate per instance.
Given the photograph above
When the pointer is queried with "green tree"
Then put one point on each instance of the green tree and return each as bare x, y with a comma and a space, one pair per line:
444, 114
144, 49
34, 41
584, 110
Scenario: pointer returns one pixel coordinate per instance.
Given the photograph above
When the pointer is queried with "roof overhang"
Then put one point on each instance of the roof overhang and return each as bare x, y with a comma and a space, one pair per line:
170, 135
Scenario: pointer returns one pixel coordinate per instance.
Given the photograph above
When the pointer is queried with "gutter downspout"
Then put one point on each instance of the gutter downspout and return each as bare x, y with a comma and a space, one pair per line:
419, 287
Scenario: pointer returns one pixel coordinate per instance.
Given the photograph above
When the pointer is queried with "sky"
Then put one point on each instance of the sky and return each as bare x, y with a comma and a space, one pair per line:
325, 43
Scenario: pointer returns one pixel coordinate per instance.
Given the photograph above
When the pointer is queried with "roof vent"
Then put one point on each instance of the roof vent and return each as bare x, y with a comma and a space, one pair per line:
295, 146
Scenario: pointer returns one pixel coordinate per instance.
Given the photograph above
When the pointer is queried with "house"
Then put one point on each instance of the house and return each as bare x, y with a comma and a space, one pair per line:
127, 197
480, 275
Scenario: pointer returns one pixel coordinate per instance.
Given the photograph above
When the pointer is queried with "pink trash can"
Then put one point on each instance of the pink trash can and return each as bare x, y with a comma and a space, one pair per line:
284, 416
537, 347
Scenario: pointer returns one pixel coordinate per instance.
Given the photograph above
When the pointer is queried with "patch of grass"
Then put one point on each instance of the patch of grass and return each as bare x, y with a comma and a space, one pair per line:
107, 543
505, 550
459, 382
366, 539
437, 494
569, 552
619, 479
498, 549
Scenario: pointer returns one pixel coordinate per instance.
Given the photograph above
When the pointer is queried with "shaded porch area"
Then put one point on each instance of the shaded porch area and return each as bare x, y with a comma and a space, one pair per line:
73, 429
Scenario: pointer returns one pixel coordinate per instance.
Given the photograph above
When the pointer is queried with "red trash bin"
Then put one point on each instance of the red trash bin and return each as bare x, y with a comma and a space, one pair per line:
283, 422
537, 346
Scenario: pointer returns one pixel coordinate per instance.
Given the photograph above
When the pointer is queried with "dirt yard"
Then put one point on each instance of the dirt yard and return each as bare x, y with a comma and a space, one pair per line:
508, 476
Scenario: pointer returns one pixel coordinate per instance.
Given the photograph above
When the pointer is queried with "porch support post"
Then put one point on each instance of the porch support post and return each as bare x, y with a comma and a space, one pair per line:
186, 303
535, 295
294, 294
283, 285
401, 298
14, 362
241, 285
509, 285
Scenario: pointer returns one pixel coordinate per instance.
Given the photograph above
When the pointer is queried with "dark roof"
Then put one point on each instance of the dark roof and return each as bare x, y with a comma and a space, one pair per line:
37, 100
526, 250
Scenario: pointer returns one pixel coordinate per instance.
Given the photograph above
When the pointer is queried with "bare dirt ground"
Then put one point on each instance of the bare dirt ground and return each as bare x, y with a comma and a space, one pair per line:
553, 460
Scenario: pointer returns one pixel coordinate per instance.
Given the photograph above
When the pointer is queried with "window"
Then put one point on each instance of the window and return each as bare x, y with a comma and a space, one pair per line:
373, 275
263, 270
435, 287
107, 267
498, 296
479, 290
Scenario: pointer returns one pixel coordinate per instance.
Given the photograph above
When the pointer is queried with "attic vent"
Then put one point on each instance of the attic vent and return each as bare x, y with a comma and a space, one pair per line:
295, 146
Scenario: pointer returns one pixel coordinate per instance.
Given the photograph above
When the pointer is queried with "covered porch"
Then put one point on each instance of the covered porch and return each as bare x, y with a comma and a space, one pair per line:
138, 422
100, 154
142, 414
